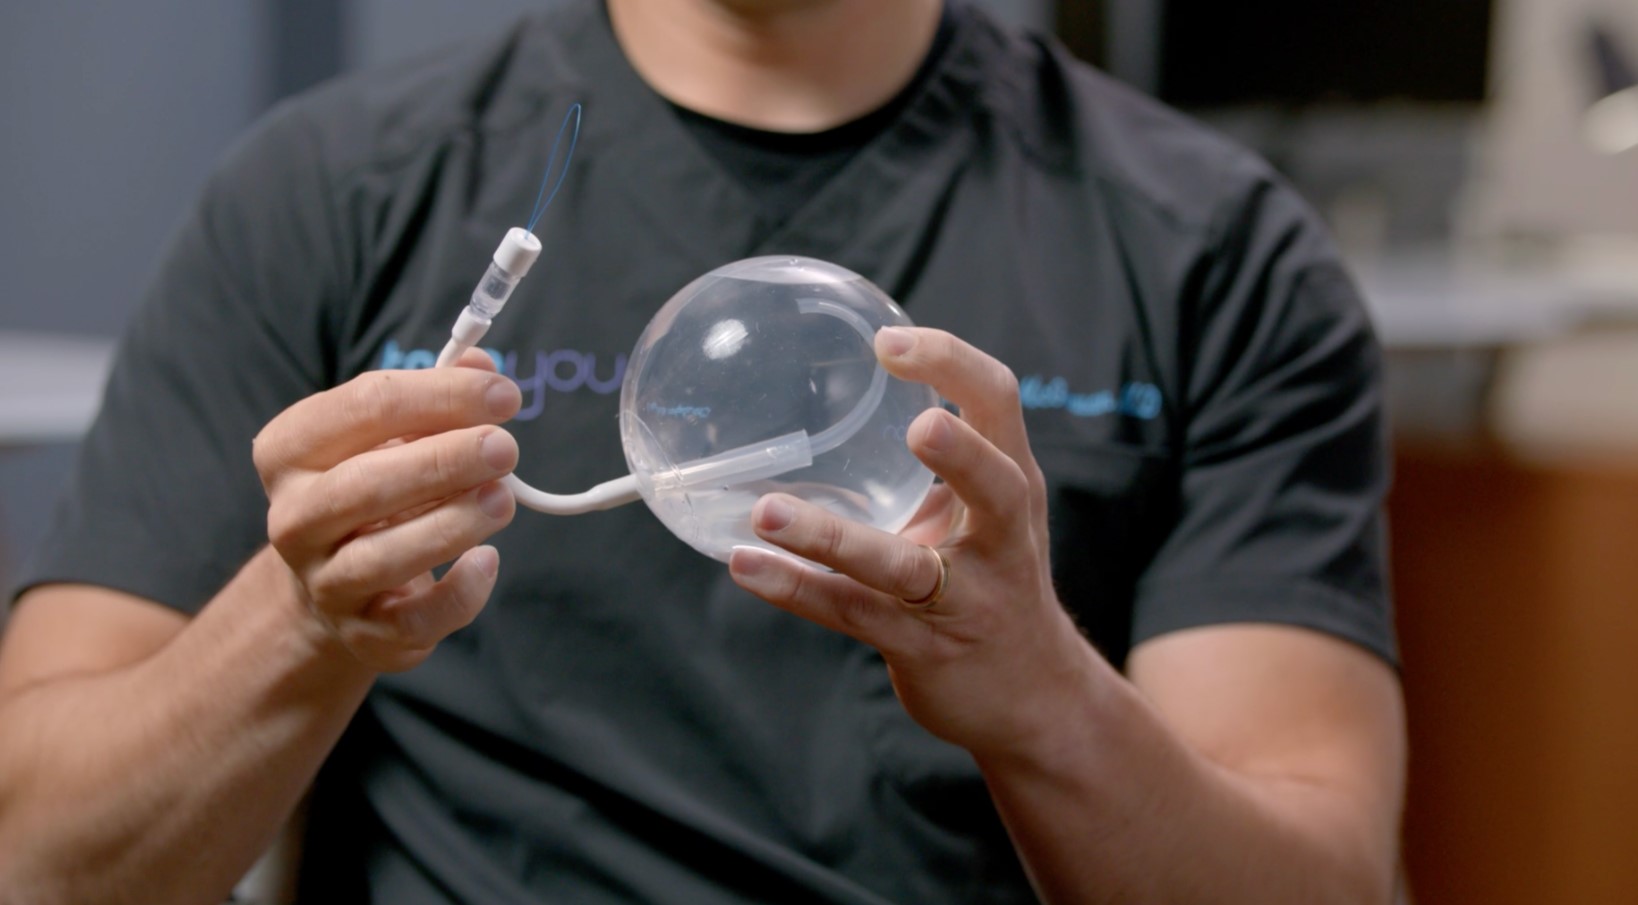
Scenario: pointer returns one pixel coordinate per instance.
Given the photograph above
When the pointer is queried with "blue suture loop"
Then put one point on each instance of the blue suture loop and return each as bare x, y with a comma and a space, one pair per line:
543, 199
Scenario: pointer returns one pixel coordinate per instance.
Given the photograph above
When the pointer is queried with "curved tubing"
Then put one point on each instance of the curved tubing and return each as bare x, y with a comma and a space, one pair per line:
843, 430
752, 462
606, 495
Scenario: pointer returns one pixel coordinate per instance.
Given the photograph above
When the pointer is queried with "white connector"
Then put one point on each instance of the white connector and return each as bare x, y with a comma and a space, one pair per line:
518, 251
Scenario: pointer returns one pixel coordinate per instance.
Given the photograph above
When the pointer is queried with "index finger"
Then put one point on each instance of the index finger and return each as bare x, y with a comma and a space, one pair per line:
330, 427
479, 359
985, 389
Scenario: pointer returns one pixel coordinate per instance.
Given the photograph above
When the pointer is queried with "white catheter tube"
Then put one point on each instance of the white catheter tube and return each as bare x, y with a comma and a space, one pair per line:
510, 264
606, 495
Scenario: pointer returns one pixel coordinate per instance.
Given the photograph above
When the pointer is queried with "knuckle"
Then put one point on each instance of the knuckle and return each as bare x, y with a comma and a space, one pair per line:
1014, 493
796, 584
262, 458
374, 639
412, 626
465, 602
324, 586
449, 460
350, 491
372, 398
347, 575
855, 614
830, 537
285, 526
1018, 484
451, 526
269, 454
1005, 383
1036, 479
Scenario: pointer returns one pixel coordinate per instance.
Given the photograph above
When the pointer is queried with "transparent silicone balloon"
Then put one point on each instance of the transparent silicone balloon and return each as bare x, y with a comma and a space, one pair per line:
760, 376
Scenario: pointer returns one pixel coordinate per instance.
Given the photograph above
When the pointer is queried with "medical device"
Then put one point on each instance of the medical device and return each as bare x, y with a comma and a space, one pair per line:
757, 377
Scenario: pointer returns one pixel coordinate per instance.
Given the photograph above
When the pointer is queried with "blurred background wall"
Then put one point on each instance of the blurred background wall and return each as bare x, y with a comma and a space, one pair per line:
1448, 143
1542, 176
106, 130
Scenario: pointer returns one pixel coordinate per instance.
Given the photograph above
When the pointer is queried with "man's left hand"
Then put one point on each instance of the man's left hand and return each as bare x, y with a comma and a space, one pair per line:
982, 665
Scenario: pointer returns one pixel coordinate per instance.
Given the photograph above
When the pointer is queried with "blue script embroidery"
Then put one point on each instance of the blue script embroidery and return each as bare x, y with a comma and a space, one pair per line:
557, 371
690, 413
1134, 400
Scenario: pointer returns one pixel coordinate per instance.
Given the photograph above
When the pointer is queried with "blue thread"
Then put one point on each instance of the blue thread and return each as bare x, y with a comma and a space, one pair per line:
1134, 399
574, 139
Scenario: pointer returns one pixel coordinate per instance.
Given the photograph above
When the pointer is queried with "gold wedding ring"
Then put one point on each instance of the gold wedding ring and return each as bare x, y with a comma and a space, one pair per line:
937, 593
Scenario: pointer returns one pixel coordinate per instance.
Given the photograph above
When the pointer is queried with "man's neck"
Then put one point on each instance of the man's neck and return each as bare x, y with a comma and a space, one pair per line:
780, 65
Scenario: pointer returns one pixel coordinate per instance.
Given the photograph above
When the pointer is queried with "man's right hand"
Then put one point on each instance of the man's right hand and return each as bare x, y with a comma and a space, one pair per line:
144, 750
372, 484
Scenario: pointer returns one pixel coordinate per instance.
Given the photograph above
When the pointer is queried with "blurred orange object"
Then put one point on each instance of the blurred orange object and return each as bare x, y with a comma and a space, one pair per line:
1517, 596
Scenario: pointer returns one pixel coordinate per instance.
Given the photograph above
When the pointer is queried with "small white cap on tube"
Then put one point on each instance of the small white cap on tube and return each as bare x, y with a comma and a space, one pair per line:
517, 252
469, 328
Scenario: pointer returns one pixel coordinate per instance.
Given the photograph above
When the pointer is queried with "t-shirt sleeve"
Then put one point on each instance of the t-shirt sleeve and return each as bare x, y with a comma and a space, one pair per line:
1284, 464
164, 501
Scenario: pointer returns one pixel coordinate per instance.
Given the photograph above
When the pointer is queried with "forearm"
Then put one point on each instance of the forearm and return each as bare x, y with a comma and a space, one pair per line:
171, 775
1110, 805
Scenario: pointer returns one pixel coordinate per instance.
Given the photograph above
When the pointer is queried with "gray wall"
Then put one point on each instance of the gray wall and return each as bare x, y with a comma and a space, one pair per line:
383, 30
111, 113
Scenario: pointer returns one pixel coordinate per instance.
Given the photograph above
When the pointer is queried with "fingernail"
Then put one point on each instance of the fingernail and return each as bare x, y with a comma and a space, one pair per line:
495, 501
753, 569
487, 559
935, 435
894, 341
747, 561
503, 397
775, 514
498, 450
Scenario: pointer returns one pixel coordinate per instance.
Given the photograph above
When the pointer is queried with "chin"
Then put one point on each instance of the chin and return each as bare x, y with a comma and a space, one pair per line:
753, 8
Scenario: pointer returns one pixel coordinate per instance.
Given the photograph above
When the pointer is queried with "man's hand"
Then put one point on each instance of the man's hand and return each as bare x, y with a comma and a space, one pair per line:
144, 755
979, 666
1245, 764
372, 484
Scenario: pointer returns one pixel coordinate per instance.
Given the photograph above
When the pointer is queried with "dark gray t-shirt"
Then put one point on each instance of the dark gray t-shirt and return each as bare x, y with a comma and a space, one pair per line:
622, 724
